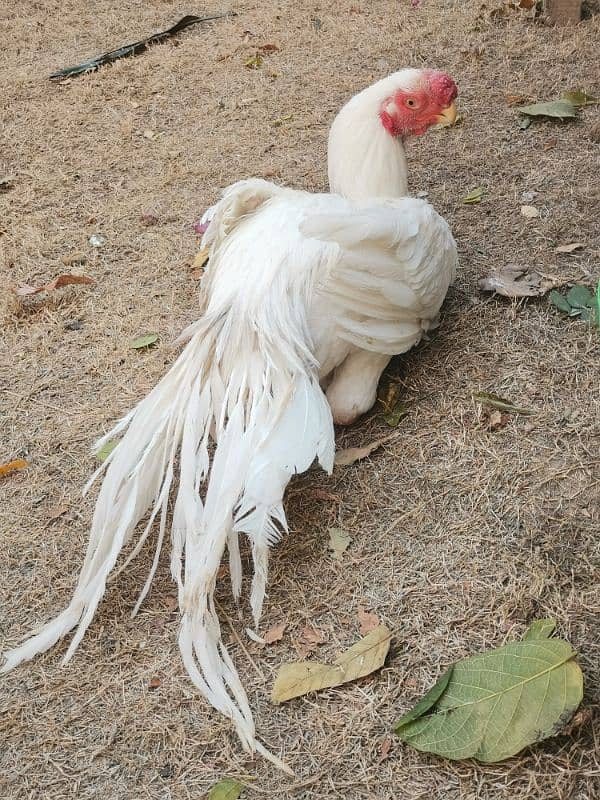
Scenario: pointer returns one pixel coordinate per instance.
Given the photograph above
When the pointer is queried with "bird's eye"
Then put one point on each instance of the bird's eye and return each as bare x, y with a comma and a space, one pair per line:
410, 103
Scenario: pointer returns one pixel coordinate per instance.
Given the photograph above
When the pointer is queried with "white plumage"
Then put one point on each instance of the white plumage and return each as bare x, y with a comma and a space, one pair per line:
302, 291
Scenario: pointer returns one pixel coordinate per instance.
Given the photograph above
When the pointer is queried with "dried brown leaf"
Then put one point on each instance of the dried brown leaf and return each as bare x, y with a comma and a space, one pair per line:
274, 634
515, 281
153, 683
349, 455
363, 658
569, 248
56, 283
313, 635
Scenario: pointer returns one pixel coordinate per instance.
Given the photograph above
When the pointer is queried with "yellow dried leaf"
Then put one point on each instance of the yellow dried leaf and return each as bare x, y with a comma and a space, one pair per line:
300, 677
12, 466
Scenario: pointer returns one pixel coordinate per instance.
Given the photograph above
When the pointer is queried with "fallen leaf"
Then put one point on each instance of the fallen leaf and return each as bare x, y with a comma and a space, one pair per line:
268, 48
530, 212
560, 109
487, 399
56, 511
349, 455
146, 340
384, 749
560, 301
579, 302
540, 629
363, 658
490, 706
569, 248
368, 622
73, 258
579, 99
153, 684
339, 541
13, 466
313, 635
580, 297
274, 634
549, 144
56, 283
515, 281
106, 450
227, 789
474, 196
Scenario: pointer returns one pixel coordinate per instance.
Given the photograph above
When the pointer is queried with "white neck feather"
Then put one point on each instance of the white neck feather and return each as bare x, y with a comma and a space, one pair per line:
365, 161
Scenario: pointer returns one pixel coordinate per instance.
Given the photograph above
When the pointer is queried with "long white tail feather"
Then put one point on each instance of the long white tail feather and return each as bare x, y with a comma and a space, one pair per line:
269, 421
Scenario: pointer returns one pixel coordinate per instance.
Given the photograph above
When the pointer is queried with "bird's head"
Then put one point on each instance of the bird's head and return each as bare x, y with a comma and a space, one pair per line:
419, 99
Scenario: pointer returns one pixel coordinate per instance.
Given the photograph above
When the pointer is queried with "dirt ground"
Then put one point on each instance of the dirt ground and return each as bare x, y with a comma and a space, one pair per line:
461, 535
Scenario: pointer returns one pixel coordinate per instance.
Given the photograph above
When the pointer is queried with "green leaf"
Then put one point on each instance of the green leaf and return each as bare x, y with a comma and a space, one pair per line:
227, 789
144, 341
496, 703
560, 109
540, 629
580, 297
394, 414
499, 402
560, 301
427, 701
579, 98
474, 196
106, 450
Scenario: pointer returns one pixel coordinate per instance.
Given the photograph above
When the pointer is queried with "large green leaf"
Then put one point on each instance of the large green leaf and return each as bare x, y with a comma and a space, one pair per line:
554, 108
494, 704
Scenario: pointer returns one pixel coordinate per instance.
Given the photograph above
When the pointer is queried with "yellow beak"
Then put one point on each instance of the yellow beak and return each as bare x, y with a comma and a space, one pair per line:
448, 116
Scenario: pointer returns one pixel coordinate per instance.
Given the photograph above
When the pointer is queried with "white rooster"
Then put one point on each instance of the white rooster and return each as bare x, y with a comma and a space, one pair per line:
302, 291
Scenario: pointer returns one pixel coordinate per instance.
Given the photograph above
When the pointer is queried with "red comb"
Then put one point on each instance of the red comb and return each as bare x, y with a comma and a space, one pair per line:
443, 86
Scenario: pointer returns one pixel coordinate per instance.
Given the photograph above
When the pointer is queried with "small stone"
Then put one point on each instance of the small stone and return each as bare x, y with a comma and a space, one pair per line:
73, 325
96, 240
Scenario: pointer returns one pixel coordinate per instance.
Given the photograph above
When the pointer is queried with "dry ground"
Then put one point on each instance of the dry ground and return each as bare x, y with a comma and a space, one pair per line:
461, 535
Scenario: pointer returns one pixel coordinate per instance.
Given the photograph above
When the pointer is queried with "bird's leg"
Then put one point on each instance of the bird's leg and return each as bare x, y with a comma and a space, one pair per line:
353, 389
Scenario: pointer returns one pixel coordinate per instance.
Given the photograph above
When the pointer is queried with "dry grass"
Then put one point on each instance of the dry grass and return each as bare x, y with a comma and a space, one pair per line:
460, 535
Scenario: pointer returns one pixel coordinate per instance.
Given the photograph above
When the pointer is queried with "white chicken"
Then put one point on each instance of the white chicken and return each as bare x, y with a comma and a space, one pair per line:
302, 291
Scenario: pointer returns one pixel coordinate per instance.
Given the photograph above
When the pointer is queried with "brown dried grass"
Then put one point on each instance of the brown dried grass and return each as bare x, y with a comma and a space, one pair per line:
461, 536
